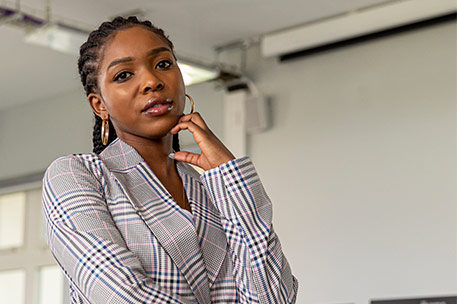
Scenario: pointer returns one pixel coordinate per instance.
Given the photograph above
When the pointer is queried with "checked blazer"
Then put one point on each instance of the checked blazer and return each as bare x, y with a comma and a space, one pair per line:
120, 237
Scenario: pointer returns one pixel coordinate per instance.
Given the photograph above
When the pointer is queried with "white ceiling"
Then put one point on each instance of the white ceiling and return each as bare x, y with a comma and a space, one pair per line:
33, 73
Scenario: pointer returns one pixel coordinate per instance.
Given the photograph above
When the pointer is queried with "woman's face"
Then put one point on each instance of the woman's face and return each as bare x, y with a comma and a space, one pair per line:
141, 86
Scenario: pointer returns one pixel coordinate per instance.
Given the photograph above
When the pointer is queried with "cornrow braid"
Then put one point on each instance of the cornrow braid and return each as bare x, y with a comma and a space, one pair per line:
90, 56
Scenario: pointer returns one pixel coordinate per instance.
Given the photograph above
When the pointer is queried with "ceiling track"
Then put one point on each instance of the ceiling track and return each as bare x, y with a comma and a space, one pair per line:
29, 22
17, 18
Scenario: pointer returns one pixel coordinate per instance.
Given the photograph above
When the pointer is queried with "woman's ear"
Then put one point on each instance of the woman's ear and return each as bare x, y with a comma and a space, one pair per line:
98, 106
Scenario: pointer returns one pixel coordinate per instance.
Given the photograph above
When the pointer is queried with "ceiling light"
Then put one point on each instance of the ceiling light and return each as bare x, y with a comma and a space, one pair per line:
194, 73
58, 37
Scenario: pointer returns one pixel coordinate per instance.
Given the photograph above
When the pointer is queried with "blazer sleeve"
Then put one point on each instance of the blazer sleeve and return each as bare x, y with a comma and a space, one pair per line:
261, 270
86, 242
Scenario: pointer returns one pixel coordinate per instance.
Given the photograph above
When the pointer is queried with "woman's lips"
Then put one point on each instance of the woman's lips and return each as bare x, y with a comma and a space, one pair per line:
159, 109
156, 107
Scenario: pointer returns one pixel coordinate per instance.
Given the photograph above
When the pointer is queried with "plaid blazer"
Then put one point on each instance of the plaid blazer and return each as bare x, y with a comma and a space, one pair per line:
120, 237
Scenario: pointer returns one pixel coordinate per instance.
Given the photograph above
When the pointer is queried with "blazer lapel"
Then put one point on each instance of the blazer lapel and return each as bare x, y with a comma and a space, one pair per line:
161, 214
213, 242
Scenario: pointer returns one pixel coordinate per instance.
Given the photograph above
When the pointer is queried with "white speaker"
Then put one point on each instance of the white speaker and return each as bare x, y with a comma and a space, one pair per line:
245, 112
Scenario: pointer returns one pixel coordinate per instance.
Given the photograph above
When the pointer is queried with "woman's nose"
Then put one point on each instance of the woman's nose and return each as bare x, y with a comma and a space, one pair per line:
151, 83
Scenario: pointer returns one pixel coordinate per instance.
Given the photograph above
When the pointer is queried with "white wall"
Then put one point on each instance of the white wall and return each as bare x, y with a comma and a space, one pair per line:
361, 166
33, 135
360, 162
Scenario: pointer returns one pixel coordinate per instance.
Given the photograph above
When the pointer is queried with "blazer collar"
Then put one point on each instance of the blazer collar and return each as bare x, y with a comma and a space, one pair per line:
119, 156
205, 238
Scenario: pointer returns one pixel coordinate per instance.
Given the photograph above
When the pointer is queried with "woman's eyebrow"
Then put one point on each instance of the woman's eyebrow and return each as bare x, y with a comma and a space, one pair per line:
120, 60
126, 59
158, 50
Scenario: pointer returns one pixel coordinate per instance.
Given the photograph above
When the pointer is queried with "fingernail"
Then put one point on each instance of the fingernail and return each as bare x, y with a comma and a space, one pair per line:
171, 155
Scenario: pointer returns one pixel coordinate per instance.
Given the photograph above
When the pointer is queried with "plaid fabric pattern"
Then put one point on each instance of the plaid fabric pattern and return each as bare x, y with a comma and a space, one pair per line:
120, 237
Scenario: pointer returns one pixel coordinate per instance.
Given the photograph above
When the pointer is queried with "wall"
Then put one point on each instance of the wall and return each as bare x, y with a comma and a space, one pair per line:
361, 166
33, 135
360, 162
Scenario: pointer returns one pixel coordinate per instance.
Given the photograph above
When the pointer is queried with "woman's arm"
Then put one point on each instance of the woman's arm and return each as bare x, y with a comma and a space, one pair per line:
261, 270
85, 241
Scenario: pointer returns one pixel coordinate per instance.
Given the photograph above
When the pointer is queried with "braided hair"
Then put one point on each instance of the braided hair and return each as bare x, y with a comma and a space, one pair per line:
90, 56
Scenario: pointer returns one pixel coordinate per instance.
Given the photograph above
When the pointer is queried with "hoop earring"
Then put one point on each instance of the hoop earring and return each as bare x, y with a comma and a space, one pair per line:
193, 104
105, 131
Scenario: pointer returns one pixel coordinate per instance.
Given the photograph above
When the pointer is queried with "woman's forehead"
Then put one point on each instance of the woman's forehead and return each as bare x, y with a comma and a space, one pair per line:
132, 42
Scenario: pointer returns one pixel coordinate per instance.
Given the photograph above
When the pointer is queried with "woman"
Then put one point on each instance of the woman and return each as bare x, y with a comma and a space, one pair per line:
131, 224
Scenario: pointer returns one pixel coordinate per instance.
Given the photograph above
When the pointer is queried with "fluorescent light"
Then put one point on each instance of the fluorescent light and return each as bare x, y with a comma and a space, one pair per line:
193, 74
58, 37
355, 24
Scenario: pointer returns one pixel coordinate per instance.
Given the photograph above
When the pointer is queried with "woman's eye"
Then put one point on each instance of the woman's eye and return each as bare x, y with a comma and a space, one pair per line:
122, 76
164, 64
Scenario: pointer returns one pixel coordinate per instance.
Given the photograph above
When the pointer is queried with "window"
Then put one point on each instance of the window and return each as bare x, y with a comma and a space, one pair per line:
51, 284
12, 286
28, 271
12, 210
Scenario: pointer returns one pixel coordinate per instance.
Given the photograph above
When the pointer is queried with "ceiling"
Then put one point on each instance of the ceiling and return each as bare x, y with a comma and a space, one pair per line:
32, 73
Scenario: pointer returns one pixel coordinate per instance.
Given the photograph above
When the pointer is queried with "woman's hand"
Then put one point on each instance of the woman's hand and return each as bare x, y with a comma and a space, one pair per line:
214, 153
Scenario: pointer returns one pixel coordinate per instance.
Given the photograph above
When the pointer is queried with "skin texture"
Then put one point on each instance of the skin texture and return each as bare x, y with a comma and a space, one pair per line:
130, 75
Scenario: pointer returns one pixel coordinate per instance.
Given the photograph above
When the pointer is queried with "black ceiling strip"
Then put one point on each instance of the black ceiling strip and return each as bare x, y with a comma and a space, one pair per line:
376, 35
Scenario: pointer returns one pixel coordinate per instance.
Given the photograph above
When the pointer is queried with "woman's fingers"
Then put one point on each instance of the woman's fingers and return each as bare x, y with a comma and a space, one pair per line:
192, 158
186, 125
199, 135
187, 157
196, 118
213, 150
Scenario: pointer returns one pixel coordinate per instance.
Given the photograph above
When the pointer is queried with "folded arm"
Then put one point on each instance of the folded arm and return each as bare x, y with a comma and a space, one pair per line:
261, 270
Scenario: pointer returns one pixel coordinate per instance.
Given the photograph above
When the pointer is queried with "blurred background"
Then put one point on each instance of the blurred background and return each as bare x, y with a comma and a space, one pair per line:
347, 109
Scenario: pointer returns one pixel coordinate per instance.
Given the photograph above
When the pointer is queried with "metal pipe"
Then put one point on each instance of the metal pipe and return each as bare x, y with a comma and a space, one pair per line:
48, 11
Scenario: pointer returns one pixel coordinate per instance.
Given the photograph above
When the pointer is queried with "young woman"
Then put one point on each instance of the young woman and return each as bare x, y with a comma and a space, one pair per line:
131, 223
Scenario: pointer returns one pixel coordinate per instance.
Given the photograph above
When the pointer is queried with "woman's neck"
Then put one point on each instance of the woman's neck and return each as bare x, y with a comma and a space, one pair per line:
155, 153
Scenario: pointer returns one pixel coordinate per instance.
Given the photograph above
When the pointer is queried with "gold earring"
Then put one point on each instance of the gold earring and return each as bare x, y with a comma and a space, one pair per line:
193, 104
105, 131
